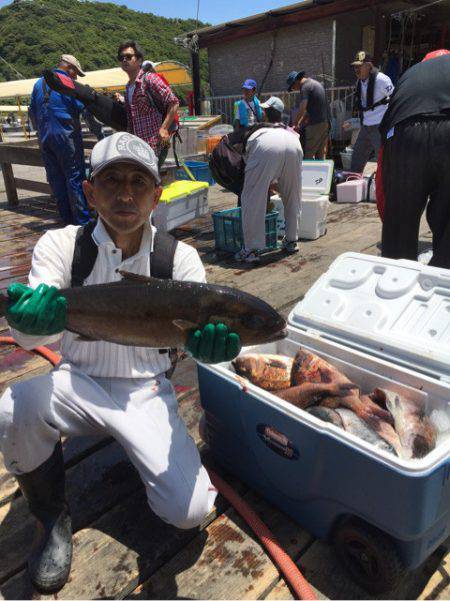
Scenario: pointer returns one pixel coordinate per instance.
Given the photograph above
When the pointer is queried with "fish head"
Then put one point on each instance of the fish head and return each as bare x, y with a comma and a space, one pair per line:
260, 325
253, 319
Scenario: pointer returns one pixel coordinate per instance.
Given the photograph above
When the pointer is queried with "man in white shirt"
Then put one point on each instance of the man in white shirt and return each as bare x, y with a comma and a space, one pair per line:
373, 90
99, 387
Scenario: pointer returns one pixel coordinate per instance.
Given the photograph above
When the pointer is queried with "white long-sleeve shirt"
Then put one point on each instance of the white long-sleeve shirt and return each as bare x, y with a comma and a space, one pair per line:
51, 265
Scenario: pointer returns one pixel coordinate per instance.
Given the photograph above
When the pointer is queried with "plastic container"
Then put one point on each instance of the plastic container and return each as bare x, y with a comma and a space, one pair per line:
346, 159
181, 202
199, 169
383, 323
228, 230
316, 183
352, 191
212, 142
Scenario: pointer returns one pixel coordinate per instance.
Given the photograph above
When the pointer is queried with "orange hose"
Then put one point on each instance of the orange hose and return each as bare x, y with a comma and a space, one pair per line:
290, 571
45, 352
287, 567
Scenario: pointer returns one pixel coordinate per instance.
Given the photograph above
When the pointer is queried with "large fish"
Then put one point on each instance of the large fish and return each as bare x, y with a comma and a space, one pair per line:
270, 372
307, 394
142, 311
417, 434
308, 367
358, 427
327, 415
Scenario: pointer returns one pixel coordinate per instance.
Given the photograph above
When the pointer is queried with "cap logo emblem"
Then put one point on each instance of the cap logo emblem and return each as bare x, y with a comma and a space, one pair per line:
128, 145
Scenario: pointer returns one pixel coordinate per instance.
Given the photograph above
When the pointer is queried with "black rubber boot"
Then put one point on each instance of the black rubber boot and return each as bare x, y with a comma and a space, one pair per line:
51, 557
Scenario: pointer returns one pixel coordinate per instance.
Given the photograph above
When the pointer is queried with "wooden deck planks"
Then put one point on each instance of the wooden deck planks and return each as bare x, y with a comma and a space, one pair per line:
230, 562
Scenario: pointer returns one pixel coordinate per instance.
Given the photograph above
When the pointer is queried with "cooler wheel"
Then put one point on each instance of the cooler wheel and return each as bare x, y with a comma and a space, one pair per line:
369, 556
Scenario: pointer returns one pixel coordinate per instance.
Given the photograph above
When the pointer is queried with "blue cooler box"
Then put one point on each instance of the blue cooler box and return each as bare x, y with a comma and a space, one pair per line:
384, 323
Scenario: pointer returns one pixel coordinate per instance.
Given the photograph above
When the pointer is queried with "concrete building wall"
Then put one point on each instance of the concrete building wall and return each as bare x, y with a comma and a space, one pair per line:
299, 47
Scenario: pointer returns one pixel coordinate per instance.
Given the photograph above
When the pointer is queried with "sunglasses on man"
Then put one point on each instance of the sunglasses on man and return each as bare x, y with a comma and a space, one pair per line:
125, 57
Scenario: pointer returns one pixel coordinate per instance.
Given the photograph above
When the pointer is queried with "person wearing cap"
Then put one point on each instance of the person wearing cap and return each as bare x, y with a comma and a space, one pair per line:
312, 113
150, 103
100, 388
248, 110
56, 117
273, 157
373, 90
414, 166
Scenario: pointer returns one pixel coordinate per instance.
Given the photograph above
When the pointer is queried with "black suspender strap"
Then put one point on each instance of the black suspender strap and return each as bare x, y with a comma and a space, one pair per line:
45, 91
162, 257
84, 254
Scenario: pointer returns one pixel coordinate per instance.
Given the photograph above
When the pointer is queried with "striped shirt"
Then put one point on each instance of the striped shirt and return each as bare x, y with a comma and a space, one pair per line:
51, 264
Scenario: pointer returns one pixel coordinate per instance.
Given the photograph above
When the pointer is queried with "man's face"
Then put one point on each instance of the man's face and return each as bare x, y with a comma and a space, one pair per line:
129, 61
363, 71
124, 195
296, 85
71, 71
248, 94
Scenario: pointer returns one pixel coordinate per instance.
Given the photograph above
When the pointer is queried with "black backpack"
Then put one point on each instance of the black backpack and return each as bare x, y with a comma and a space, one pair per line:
227, 162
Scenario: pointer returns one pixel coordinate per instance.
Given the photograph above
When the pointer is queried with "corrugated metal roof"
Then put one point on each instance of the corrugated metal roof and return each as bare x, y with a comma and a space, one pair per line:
278, 12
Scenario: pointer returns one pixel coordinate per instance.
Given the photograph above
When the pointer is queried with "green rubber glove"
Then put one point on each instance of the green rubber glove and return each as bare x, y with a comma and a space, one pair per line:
39, 312
213, 344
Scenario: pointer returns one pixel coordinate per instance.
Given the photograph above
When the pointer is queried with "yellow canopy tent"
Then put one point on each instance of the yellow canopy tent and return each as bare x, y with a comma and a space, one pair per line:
176, 74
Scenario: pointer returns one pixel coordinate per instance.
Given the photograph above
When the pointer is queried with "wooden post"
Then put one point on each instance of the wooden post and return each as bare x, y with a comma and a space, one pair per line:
196, 81
10, 182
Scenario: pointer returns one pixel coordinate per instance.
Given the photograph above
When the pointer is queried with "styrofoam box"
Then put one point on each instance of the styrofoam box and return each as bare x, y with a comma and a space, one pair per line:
170, 215
352, 191
316, 183
383, 323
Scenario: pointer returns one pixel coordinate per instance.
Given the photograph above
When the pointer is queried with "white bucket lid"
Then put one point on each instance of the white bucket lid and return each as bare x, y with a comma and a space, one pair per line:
317, 176
391, 308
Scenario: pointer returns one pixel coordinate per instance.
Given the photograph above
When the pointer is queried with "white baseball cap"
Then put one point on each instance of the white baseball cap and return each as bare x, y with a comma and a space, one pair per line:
275, 103
147, 64
124, 147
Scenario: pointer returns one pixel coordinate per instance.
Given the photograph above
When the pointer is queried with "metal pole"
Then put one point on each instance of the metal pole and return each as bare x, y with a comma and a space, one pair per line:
196, 81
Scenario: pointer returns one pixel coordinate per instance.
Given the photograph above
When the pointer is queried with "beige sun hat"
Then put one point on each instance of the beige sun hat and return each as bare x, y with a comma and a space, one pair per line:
74, 62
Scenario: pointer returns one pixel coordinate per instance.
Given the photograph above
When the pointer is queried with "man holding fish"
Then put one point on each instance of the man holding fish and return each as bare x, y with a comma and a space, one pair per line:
110, 381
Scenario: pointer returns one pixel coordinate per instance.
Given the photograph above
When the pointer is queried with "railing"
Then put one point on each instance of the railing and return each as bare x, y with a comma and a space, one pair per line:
341, 101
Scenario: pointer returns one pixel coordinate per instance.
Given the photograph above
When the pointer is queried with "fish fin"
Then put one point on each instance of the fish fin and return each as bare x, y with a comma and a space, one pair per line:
82, 338
184, 324
134, 277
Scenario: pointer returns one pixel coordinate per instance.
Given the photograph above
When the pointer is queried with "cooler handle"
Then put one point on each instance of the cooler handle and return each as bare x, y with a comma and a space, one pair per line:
276, 441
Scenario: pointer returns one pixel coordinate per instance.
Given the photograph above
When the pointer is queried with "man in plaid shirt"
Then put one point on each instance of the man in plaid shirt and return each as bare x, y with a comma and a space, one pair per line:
151, 105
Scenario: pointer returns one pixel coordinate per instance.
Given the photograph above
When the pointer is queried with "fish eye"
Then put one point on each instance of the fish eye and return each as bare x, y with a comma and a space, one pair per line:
254, 322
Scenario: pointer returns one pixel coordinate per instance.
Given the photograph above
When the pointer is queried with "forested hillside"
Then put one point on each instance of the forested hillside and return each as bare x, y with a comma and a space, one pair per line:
34, 33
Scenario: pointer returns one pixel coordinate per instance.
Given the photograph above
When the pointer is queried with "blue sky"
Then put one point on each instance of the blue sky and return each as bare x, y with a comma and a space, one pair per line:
212, 11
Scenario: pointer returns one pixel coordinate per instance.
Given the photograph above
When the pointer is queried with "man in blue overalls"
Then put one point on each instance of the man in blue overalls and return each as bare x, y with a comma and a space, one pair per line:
57, 121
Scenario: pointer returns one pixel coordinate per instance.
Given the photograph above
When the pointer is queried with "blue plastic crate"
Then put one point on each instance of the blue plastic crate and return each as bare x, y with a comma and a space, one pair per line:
199, 169
228, 230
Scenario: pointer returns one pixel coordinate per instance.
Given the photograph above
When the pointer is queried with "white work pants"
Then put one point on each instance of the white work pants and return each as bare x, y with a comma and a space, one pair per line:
141, 414
273, 154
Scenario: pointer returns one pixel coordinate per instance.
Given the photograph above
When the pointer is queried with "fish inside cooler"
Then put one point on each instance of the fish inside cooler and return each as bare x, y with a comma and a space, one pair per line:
339, 418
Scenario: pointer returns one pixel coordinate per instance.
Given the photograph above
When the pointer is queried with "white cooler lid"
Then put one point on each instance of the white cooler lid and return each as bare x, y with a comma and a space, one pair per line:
317, 176
398, 310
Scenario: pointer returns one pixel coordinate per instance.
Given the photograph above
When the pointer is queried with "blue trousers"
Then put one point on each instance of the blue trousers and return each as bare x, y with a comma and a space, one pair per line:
64, 163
